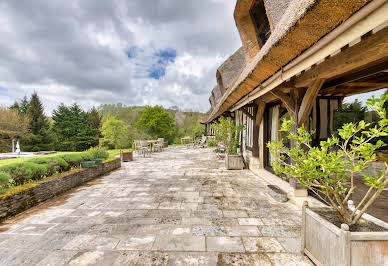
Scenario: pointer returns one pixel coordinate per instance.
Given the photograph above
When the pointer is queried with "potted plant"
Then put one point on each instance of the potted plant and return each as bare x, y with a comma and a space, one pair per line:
227, 133
126, 155
98, 154
337, 235
87, 164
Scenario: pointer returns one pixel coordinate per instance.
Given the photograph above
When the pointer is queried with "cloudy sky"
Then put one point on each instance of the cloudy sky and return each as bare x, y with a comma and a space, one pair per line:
136, 52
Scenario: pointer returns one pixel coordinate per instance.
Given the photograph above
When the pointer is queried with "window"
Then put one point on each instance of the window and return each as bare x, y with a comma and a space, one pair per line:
260, 20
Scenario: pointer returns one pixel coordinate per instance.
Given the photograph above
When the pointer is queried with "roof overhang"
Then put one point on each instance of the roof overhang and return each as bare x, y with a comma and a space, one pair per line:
296, 33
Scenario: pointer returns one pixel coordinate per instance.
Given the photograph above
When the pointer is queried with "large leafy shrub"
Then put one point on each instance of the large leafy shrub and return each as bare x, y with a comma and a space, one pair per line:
331, 167
157, 123
115, 133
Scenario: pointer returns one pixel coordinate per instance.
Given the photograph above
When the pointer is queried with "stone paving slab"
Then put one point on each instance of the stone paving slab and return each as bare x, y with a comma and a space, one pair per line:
177, 207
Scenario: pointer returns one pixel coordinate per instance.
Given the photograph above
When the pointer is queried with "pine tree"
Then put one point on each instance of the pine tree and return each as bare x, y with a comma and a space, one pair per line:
72, 128
38, 126
95, 125
15, 106
23, 105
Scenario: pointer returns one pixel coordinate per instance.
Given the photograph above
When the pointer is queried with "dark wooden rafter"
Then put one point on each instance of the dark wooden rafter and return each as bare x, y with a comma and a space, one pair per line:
288, 102
246, 112
348, 91
228, 114
372, 82
308, 101
349, 79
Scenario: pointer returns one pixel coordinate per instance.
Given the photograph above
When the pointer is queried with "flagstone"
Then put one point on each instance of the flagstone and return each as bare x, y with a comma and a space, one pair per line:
177, 207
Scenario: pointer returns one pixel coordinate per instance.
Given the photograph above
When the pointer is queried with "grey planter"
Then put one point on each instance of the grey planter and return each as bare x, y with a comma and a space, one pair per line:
326, 244
234, 162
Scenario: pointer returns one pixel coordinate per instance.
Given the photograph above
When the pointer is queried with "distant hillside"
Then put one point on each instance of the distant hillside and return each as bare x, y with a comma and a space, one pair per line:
185, 121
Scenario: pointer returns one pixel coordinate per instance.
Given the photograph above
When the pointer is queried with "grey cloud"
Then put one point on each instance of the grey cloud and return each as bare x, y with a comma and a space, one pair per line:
75, 50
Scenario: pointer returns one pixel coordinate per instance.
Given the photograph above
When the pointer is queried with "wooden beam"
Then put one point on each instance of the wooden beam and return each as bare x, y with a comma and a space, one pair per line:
286, 100
308, 101
365, 84
360, 74
347, 91
245, 111
260, 111
369, 51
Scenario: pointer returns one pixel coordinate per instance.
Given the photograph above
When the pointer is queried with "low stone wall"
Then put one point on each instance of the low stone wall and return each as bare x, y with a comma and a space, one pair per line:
33, 194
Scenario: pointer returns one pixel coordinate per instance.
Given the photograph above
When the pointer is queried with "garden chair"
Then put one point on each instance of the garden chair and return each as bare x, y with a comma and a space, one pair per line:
201, 143
137, 146
191, 144
159, 145
145, 148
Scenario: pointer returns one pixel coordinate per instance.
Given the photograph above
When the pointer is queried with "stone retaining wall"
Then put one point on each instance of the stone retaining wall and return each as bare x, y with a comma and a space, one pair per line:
29, 197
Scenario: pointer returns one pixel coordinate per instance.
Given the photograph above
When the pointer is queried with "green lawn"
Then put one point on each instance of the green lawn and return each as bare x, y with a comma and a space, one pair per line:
112, 153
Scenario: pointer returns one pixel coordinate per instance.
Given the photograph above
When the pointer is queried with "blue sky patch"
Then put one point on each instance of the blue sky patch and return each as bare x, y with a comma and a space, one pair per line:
132, 52
164, 57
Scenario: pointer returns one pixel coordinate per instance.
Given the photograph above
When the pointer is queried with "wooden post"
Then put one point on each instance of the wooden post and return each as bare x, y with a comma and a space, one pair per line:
256, 127
308, 101
299, 191
345, 241
305, 205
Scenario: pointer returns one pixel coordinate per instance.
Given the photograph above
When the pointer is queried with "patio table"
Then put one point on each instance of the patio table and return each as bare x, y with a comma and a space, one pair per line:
186, 140
152, 144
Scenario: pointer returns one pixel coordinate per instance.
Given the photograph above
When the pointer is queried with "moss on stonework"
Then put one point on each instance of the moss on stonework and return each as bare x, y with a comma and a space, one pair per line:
22, 188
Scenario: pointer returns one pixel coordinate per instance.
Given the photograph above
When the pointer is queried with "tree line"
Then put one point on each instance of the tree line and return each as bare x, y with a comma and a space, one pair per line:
70, 128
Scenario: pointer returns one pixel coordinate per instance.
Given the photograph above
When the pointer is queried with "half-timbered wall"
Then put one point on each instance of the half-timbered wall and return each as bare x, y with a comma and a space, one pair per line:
247, 133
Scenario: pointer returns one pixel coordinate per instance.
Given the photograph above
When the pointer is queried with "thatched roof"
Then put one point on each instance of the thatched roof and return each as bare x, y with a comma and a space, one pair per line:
275, 11
303, 23
230, 70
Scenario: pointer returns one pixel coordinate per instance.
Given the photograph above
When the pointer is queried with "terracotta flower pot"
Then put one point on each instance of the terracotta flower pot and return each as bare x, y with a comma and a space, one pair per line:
127, 156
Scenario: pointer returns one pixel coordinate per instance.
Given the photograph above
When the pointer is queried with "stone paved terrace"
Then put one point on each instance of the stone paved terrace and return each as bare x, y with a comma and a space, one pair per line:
178, 207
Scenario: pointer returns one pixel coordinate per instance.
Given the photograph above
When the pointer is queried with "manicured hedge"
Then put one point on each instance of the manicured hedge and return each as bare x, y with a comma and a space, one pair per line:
40, 167
22, 172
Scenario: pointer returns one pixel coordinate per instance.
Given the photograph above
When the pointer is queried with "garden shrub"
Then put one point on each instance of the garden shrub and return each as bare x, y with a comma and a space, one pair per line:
211, 143
21, 173
86, 156
4, 181
54, 163
227, 133
98, 153
73, 160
